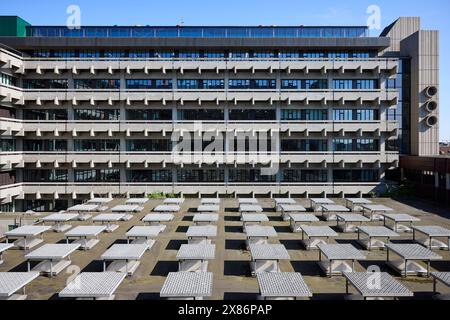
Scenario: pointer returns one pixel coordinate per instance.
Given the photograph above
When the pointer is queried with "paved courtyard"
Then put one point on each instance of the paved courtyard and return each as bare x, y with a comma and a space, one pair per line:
231, 268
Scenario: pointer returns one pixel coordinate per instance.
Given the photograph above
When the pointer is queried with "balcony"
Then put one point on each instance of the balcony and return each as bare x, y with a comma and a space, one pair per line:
111, 65
144, 159
72, 190
14, 127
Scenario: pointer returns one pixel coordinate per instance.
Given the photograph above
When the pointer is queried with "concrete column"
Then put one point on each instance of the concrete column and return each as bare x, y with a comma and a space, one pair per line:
436, 180
447, 179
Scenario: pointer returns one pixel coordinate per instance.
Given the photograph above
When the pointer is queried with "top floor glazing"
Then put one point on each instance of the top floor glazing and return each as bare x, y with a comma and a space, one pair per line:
198, 32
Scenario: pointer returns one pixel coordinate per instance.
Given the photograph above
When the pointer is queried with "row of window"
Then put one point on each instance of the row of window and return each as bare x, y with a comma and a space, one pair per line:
205, 114
166, 145
201, 176
7, 145
193, 84
8, 80
200, 54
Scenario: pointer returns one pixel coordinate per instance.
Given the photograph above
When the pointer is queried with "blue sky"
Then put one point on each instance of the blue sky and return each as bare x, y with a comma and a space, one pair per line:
434, 15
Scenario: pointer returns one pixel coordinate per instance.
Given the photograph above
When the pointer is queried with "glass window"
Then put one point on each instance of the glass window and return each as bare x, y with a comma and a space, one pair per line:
97, 114
145, 114
97, 84
149, 176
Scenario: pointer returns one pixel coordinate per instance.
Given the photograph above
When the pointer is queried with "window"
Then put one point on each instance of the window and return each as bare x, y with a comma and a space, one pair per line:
97, 114
355, 115
97, 84
355, 145
356, 176
252, 84
45, 176
359, 84
45, 145
307, 84
45, 84
201, 84
195, 176
252, 114
45, 114
148, 84
7, 145
150, 176
8, 80
304, 115
101, 175
304, 145
97, 145
200, 115
146, 114
249, 176
151, 145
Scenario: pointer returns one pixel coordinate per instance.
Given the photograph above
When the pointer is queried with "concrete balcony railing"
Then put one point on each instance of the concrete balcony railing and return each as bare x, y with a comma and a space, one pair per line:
14, 127
111, 65
11, 60
143, 159
254, 96
73, 190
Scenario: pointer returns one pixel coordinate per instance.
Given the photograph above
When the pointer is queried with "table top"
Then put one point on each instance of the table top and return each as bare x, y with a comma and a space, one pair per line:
138, 201
177, 201
157, 217
300, 217
206, 201
187, 284
413, 251
433, 231
208, 208
341, 252
167, 208
321, 200
125, 252
335, 208
283, 284
444, 277
109, 217
318, 231
206, 217
5, 246
250, 208
279, 201
377, 208
254, 217
11, 282
93, 285
269, 252
248, 201
52, 251
376, 231
85, 231
83, 208
145, 231
358, 200
400, 217
25, 231
202, 231
99, 201
388, 286
196, 252
351, 217
127, 208
58, 217
292, 208
255, 231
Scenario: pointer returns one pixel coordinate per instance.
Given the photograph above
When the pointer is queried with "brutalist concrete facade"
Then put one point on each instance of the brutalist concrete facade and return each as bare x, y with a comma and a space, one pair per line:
336, 110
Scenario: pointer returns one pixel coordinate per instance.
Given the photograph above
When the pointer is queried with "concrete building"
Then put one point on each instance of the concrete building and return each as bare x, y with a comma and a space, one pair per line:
300, 111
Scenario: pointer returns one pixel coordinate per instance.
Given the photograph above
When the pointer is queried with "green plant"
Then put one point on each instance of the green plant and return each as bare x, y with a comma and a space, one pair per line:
156, 195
